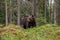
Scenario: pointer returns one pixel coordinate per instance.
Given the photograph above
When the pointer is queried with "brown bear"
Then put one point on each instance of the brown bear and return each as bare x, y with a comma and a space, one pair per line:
28, 21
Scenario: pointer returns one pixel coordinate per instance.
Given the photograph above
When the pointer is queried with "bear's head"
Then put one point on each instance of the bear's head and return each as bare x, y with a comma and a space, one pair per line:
30, 18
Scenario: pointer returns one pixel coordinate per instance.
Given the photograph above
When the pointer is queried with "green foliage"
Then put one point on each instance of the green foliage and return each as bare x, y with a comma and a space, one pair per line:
45, 32
41, 17
41, 21
2, 15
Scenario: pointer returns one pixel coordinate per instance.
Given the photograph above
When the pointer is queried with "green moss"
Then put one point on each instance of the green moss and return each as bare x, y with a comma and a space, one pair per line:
44, 32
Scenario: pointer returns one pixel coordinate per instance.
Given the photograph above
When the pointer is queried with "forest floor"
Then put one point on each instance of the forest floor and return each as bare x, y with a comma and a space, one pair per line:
44, 32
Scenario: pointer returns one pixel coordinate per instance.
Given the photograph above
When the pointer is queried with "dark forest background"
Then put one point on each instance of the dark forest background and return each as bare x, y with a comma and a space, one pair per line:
45, 11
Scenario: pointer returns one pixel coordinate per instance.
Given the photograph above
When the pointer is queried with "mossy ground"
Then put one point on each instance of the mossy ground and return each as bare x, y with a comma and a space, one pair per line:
44, 32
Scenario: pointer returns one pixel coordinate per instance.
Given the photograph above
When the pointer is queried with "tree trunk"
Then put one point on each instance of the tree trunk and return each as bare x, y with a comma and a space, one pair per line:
33, 7
11, 11
52, 11
6, 13
19, 11
37, 11
45, 9
55, 21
